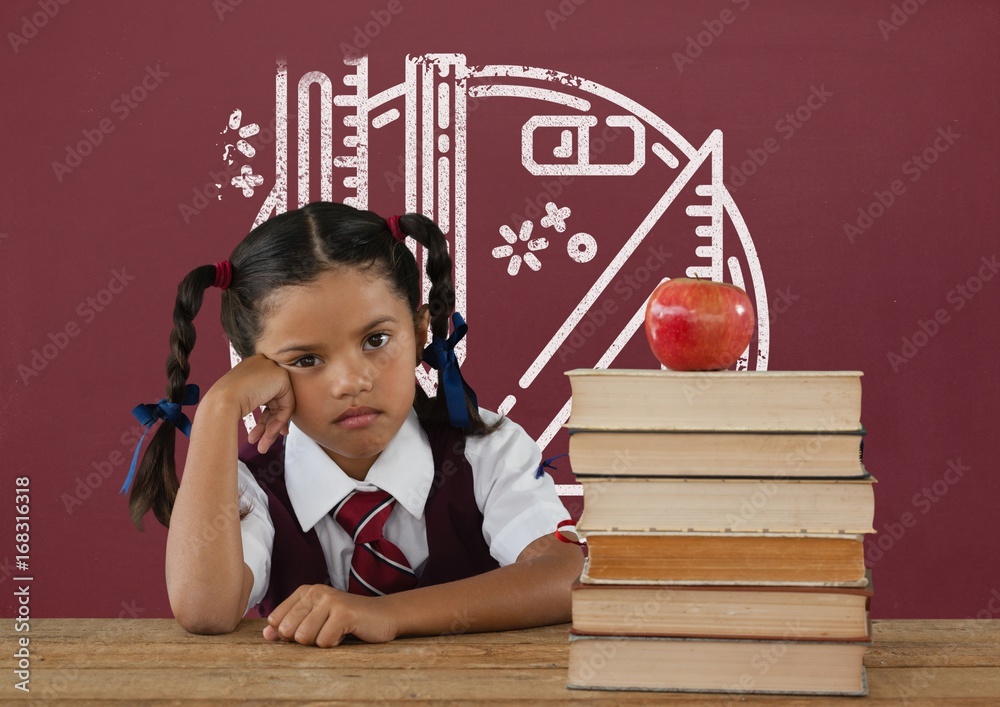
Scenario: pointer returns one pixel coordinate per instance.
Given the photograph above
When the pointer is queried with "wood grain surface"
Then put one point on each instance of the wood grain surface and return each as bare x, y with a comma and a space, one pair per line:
150, 661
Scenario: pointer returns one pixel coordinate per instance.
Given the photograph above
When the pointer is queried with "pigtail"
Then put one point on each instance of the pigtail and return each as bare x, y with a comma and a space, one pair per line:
441, 302
155, 485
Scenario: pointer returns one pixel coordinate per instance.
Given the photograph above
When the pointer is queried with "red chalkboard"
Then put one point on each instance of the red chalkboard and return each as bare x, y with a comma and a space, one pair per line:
839, 160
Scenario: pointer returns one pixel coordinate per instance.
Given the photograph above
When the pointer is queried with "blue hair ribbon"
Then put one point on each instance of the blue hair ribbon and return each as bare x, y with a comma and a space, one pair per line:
547, 464
148, 413
440, 354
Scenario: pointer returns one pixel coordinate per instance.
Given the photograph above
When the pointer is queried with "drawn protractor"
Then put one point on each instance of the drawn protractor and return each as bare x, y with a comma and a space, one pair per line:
433, 101
669, 147
432, 106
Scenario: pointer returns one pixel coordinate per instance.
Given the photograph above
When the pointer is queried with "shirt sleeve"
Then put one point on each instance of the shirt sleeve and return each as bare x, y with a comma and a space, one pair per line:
257, 532
517, 508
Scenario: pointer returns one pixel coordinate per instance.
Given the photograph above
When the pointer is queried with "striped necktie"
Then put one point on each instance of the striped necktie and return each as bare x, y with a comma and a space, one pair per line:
377, 567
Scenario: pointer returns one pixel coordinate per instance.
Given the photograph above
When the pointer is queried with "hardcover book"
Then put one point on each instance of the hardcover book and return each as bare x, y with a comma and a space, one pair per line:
744, 505
709, 453
725, 558
641, 399
724, 611
717, 665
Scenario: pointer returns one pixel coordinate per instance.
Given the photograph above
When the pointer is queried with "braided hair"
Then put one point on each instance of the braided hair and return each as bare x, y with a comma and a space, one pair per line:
295, 248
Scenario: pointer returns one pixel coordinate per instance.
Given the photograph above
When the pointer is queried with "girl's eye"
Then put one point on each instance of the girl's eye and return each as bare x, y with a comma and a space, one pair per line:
376, 341
305, 362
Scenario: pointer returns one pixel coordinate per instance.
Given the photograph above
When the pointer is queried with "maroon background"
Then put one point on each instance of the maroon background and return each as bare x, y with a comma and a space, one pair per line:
847, 305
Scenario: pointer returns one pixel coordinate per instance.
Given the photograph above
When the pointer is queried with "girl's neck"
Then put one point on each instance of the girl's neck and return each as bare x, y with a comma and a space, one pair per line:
357, 469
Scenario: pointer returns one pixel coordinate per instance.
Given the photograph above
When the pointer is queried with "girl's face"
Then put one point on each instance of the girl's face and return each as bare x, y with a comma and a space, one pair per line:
350, 347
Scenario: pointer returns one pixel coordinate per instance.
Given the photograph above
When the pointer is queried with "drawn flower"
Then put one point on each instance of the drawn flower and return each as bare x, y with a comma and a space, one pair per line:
556, 217
247, 180
507, 251
246, 131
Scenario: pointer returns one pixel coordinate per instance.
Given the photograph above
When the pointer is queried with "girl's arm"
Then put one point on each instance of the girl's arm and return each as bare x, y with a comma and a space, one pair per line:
207, 581
534, 591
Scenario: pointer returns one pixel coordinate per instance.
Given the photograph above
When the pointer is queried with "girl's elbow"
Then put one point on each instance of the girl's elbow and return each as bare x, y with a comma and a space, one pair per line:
205, 623
201, 618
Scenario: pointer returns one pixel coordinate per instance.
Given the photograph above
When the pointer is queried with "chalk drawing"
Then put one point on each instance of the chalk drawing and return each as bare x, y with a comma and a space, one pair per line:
432, 102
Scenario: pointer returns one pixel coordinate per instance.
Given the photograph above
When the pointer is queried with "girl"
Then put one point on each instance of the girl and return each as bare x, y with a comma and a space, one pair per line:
359, 505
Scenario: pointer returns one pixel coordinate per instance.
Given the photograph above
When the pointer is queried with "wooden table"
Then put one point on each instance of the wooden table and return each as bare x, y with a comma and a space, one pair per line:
148, 660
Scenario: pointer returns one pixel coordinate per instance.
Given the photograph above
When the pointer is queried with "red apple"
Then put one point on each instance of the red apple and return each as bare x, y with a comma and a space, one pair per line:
698, 325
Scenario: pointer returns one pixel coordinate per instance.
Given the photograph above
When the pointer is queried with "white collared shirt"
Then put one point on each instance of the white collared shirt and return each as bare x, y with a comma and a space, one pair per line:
517, 508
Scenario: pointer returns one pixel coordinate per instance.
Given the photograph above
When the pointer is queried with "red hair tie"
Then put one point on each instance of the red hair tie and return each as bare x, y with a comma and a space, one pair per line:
223, 275
394, 228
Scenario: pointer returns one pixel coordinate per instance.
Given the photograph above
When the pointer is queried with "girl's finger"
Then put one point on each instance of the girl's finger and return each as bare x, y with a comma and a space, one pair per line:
272, 419
275, 617
332, 633
275, 418
262, 420
284, 406
310, 626
256, 433
298, 613
271, 427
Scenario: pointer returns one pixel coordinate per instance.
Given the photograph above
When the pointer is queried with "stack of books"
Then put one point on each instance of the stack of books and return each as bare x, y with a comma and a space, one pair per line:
724, 515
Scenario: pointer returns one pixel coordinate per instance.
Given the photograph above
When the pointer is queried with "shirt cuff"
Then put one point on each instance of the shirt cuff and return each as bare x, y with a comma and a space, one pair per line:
258, 559
532, 523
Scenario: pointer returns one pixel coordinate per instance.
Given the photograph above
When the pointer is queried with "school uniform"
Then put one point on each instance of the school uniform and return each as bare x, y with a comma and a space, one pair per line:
490, 485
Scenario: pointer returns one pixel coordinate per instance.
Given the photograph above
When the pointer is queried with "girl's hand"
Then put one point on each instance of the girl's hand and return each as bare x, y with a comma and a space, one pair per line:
257, 381
317, 614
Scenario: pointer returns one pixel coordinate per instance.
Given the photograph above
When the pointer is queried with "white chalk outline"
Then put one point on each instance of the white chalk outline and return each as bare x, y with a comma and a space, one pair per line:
616, 264
449, 175
534, 92
582, 166
326, 136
